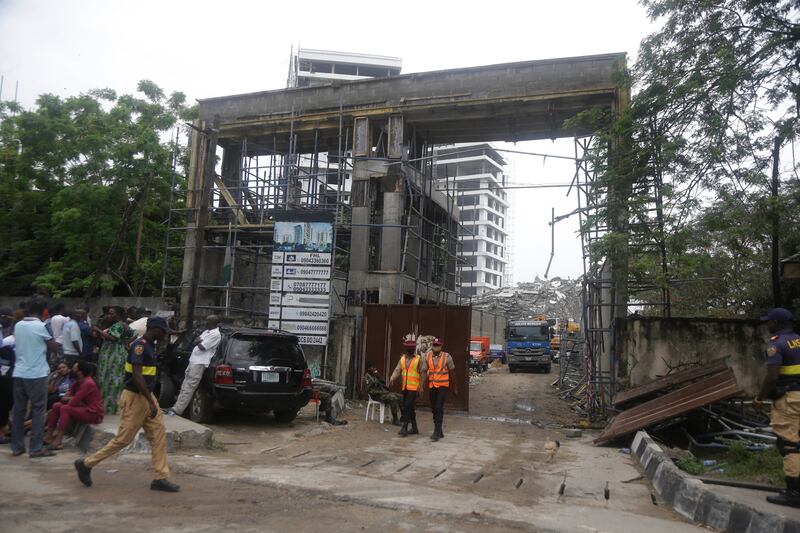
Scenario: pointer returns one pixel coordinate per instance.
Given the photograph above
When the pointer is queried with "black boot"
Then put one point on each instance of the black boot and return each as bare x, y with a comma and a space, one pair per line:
789, 498
403, 430
435, 435
413, 430
441, 434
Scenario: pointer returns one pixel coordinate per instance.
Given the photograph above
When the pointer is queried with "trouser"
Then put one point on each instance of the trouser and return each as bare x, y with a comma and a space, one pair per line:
785, 419
35, 392
62, 414
6, 399
134, 415
392, 399
438, 396
191, 379
410, 407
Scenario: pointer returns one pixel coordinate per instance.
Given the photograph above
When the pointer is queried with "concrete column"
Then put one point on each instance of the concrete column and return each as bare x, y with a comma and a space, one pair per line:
392, 234
359, 241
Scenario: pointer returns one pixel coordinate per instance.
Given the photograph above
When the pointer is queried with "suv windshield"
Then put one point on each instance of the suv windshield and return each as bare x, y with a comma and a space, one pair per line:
528, 333
256, 349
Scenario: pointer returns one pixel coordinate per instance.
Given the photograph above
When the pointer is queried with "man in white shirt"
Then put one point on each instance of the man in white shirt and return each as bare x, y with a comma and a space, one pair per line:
57, 322
71, 340
205, 346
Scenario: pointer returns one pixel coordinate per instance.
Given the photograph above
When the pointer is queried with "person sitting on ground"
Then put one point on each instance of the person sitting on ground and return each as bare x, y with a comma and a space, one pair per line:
379, 392
83, 405
326, 393
59, 383
205, 345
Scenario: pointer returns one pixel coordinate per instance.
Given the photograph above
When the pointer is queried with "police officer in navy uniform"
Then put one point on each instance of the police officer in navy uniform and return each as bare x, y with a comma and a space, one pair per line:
782, 386
139, 410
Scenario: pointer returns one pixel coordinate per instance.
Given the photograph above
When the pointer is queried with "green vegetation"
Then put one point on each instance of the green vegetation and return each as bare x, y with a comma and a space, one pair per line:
715, 90
738, 463
84, 191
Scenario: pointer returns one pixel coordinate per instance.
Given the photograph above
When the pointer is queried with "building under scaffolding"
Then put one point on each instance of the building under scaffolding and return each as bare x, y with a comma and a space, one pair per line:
362, 154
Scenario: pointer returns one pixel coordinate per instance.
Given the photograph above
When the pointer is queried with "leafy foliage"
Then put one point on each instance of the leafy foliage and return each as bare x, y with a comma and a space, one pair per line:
69, 167
713, 89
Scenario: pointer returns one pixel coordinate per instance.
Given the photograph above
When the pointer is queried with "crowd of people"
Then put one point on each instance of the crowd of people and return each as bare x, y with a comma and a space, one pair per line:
81, 377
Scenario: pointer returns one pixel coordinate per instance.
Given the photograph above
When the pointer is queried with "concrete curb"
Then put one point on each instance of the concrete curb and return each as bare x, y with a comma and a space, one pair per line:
698, 502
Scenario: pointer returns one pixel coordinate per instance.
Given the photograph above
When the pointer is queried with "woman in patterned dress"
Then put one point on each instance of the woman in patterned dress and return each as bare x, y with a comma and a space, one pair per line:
112, 356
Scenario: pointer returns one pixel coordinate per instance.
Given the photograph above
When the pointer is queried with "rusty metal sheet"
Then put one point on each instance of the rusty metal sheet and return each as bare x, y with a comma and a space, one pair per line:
717, 387
671, 381
384, 327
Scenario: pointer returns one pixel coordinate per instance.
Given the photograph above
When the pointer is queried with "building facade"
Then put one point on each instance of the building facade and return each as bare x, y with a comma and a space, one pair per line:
476, 174
309, 67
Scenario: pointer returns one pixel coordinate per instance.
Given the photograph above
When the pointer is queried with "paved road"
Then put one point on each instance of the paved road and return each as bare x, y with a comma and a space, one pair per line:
483, 474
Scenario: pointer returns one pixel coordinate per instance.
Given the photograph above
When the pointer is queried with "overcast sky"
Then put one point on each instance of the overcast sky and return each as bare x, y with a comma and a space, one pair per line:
207, 49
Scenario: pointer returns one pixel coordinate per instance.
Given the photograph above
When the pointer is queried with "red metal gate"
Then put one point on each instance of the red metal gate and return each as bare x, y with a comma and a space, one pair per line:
384, 327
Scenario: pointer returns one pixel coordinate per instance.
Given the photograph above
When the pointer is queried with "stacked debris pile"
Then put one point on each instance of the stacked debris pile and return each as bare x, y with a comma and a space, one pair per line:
571, 382
696, 408
555, 297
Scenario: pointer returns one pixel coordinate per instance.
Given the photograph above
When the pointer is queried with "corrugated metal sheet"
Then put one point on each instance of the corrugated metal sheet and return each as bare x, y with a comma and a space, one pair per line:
384, 327
669, 382
717, 387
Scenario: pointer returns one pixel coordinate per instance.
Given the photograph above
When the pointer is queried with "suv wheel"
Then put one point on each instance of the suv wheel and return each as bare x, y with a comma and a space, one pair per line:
284, 417
166, 391
201, 409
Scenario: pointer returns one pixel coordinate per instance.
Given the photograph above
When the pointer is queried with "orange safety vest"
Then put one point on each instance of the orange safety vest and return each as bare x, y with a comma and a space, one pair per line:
438, 377
410, 373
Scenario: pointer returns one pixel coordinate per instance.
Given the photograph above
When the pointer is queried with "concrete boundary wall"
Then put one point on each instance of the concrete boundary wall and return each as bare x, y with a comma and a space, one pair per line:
155, 304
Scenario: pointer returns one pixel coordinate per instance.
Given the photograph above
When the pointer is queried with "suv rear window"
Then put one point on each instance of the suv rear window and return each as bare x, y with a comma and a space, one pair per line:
255, 349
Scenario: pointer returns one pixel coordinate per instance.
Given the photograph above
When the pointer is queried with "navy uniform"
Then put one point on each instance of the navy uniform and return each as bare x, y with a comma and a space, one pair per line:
135, 411
783, 352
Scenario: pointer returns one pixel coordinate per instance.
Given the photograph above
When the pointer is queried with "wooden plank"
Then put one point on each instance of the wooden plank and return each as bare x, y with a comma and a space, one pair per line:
670, 381
229, 199
717, 387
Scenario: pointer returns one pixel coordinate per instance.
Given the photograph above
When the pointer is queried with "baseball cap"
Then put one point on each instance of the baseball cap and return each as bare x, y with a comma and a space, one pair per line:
779, 314
437, 342
158, 322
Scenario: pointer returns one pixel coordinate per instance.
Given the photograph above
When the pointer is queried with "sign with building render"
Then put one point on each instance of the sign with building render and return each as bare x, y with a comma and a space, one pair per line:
302, 258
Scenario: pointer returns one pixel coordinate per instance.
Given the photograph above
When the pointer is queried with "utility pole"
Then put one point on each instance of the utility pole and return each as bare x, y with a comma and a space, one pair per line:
776, 272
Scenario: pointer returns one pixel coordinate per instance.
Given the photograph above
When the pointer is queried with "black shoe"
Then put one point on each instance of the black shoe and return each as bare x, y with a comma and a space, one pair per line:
403, 430
413, 430
787, 498
165, 485
435, 436
441, 434
84, 472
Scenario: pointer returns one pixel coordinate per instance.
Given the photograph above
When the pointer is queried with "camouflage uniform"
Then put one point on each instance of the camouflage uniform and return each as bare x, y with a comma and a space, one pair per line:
379, 392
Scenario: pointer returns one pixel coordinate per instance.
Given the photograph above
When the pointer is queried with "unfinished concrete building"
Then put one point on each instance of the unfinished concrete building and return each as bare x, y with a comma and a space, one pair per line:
397, 238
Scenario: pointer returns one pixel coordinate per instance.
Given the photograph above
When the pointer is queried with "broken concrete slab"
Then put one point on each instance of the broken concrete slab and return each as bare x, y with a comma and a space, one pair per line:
182, 434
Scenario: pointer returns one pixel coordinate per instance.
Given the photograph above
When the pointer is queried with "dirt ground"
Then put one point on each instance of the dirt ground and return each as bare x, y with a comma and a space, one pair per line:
490, 472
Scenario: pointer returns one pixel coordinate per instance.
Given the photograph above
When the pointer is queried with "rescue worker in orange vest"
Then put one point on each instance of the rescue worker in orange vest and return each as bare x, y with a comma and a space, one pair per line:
441, 376
412, 369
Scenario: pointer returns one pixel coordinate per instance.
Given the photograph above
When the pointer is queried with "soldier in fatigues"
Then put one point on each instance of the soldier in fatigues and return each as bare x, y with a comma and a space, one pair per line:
379, 391
412, 367
326, 393
782, 386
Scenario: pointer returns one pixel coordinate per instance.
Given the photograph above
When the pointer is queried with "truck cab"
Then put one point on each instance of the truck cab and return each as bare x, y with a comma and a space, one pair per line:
528, 345
479, 353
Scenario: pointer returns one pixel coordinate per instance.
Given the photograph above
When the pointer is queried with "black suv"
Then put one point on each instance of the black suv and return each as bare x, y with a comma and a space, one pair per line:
252, 369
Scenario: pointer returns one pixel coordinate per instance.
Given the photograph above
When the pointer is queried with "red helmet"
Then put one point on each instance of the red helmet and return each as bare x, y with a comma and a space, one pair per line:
437, 342
410, 344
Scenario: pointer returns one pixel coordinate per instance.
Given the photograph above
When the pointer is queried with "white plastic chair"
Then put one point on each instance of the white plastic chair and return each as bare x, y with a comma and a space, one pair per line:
374, 405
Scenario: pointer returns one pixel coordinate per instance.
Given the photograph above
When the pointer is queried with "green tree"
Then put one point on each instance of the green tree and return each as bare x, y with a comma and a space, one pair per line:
84, 191
713, 90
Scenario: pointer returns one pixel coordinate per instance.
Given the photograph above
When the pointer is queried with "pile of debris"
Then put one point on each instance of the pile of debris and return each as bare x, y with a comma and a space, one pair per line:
697, 408
555, 297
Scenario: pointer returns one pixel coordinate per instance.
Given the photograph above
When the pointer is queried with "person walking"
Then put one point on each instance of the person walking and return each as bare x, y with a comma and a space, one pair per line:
412, 368
32, 342
379, 392
782, 386
139, 410
441, 375
111, 359
83, 404
204, 348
